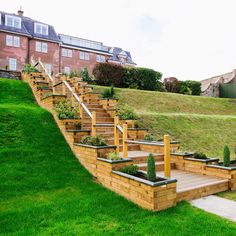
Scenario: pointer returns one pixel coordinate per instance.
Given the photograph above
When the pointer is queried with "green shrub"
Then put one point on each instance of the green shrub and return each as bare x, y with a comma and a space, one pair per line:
65, 110
85, 75
190, 87
131, 170
113, 156
151, 168
126, 113
28, 68
172, 85
109, 93
93, 141
226, 154
149, 137
74, 73
108, 74
199, 155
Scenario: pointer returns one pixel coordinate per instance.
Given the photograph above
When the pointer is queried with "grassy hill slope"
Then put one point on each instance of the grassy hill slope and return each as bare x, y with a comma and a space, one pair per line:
200, 123
45, 191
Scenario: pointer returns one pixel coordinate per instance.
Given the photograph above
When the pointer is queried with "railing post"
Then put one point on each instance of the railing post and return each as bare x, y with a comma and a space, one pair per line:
116, 134
167, 167
81, 112
125, 145
94, 123
63, 89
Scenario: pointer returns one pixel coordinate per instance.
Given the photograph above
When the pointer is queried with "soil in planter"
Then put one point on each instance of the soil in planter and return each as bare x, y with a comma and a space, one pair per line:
144, 176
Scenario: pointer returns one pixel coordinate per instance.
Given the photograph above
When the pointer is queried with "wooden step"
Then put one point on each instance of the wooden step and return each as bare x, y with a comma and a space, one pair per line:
159, 166
131, 147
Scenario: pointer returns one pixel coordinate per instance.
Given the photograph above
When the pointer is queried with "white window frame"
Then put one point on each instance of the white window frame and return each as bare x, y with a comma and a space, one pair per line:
67, 70
13, 41
100, 58
12, 64
41, 47
48, 68
84, 56
16, 21
0, 18
66, 52
41, 27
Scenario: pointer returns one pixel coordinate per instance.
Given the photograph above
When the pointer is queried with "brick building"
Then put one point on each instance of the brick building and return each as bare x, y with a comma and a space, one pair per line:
22, 38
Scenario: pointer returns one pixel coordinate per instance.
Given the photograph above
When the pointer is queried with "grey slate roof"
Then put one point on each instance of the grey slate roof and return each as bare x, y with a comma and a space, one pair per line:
27, 28
116, 51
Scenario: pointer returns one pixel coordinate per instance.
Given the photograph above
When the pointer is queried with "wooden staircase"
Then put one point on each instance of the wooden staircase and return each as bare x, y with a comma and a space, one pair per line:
97, 119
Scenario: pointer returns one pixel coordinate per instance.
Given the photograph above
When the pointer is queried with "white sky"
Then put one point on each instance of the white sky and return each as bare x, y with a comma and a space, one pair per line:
188, 39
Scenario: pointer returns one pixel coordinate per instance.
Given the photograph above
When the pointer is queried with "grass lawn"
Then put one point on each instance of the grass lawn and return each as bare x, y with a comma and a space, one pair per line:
199, 123
228, 195
45, 191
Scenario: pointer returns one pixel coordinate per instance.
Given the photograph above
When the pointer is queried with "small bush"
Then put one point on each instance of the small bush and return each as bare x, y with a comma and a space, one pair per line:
151, 168
149, 137
113, 156
226, 154
85, 75
74, 73
93, 141
109, 93
171, 85
65, 110
126, 113
199, 155
28, 68
131, 170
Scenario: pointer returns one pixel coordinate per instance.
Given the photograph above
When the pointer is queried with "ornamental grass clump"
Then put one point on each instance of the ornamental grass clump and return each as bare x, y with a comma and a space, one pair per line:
226, 154
151, 168
126, 113
109, 93
130, 170
149, 137
200, 155
113, 156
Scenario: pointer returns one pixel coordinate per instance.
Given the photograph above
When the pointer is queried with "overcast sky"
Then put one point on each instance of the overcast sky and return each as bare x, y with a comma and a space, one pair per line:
188, 39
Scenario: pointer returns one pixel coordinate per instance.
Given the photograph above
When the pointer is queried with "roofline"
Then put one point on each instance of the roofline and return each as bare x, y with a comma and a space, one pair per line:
81, 38
86, 49
13, 32
48, 40
119, 62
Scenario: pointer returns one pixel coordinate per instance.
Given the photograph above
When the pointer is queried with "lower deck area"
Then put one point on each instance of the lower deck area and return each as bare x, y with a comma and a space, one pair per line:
193, 185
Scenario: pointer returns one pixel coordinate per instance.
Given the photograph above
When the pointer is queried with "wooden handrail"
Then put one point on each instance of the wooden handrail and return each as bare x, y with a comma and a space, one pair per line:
78, 99
167, 166
116, 134
125, 137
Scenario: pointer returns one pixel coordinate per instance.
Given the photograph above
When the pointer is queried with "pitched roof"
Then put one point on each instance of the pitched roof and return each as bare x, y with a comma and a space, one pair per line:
116, 51
27, 28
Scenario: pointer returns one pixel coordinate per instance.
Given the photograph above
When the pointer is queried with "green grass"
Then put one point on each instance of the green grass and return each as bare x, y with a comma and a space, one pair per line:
199, 123
45, 191
229, 195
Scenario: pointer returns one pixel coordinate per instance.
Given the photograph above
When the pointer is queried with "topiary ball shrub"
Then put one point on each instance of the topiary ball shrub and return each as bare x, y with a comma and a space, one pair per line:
226, 154
151, 168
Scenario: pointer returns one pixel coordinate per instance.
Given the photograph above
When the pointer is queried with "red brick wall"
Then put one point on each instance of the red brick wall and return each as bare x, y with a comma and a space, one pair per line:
7, 52
51, 57
76, 64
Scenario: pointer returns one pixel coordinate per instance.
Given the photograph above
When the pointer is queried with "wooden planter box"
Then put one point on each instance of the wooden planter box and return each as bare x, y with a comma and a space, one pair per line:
68, 124
130, 123
186, 162
223, 172
88, 155
51, 101
108, 103
153, 196
137, 133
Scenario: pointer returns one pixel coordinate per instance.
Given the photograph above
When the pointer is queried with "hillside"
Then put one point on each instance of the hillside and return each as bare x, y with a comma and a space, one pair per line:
200, 123
45, 190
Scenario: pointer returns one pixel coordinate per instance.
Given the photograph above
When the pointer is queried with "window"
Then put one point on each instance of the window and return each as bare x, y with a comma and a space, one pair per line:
0, 18
13, 21
100, 58
67, 70
13, 41
66, 52
48, 68
12, 64
84, 56
41, 47
40, 29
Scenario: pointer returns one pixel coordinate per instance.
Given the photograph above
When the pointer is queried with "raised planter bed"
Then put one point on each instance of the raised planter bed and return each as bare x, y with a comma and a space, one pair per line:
130, 123
223, 172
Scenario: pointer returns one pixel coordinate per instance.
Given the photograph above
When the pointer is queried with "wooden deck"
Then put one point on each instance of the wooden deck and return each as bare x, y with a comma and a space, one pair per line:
191, 185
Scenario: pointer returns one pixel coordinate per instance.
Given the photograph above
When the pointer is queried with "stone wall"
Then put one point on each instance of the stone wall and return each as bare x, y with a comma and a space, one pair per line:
10, 74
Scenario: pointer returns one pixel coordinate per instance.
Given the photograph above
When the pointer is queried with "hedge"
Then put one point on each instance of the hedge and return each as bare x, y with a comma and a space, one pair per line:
108, 74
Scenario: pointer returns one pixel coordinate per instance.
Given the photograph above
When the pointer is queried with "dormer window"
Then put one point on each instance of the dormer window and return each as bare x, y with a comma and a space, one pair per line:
13, 21
40, 29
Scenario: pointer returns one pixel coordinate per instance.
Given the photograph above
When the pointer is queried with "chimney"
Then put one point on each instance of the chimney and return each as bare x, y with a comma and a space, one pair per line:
20, 12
